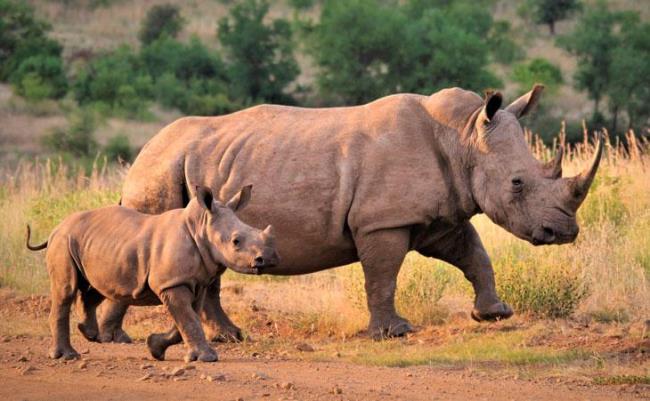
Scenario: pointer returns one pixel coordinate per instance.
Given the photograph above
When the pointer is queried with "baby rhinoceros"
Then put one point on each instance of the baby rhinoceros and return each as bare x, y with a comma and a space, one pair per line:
138, 259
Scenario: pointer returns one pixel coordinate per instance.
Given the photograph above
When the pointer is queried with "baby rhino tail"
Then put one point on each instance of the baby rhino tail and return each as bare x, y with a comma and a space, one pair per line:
34, 247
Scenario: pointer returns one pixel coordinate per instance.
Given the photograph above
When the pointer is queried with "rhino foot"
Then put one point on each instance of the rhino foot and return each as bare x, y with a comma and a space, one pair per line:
157, 345
494, 312
114, 336
89, 333
395, 327
66, 353
202, 355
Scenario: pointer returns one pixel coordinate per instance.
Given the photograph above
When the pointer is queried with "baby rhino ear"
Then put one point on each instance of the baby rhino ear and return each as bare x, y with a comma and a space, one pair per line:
204, 197
241, 198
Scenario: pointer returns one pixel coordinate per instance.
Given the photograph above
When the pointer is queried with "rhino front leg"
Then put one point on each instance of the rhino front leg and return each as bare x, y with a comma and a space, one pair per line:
183, 306
218, 325
463, 248
381, 254
111, 318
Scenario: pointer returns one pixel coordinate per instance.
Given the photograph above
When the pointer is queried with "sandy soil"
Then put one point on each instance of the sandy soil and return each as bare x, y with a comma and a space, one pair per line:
126, 372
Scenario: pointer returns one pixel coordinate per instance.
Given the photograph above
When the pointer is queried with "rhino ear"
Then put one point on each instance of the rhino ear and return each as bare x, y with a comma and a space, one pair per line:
527, 102
240, 200
493, 102
204, 197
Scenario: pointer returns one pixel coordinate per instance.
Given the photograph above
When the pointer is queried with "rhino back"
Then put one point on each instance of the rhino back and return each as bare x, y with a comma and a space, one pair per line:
319, 176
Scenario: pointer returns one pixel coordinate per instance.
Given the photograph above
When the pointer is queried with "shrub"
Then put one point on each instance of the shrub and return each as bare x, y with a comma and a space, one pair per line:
119, 147
78, 138
261, 58
162, 20
503, 49
40, 77
551, 288
537, 70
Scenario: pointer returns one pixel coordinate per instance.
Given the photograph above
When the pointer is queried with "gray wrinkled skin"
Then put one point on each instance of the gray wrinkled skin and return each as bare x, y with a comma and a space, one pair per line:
369, 184
136, 259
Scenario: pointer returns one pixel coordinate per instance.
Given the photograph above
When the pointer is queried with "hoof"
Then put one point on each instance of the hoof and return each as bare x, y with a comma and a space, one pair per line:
495, 312
397, 327
206, 355
67, 354
114, 336
89, 334
157, 346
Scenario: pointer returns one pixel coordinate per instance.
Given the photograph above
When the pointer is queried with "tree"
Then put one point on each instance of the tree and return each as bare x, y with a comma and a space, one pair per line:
550, 11
593, 42
163, 20
629, 90
537, 70
420, 46
261, 57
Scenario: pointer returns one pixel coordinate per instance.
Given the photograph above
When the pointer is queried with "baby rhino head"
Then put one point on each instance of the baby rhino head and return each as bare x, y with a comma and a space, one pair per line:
230, 241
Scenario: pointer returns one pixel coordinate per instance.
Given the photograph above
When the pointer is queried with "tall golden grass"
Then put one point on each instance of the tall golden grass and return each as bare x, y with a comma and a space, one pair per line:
604, 275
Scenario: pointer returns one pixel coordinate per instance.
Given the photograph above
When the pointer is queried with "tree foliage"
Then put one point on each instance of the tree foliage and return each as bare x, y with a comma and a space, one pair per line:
261, 58
548, 12
537, 70
162, 20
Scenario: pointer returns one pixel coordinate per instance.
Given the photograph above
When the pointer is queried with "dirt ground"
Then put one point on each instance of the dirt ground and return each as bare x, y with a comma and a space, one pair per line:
127, 372
257, 371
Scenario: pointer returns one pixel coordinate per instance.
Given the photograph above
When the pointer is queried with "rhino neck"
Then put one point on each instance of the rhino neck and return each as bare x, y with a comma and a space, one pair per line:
453, 113
195, 221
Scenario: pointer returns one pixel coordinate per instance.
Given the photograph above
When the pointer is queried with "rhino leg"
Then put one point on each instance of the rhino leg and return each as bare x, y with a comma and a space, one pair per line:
381, 254
63, 288
464, 249
183, 307
217, 324
159, 342
110, 322
90, 299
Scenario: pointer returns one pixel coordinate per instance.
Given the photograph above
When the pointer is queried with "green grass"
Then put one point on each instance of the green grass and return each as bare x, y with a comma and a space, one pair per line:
505, 349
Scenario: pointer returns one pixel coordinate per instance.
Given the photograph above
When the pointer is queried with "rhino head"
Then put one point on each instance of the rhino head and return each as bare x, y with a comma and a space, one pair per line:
230, 241
526, 197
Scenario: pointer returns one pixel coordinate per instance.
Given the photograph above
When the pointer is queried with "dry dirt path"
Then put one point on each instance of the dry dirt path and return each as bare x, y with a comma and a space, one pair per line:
111, 372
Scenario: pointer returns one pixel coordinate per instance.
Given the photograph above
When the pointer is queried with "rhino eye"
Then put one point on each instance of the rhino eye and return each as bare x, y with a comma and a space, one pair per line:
236, 241
517, 185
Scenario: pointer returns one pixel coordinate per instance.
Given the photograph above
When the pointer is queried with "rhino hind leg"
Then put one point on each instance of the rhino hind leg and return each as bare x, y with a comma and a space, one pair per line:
218, 326
90, 299
381, 254
63, 289
110, 322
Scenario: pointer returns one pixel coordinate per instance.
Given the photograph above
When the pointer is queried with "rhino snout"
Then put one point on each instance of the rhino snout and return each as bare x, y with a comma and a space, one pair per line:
547, 234
265, 260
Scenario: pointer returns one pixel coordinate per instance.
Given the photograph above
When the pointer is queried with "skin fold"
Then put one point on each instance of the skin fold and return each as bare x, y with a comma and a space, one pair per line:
367, 183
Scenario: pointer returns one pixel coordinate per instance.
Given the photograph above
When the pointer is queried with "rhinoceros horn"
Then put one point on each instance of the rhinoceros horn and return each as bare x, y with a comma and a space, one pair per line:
579, 185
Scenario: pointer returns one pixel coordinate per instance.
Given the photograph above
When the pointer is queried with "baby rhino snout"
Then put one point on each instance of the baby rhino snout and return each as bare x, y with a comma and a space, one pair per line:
268, 258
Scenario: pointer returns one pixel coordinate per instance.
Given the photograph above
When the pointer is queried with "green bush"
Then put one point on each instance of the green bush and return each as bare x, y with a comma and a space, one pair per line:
503, 49
78, 138
119, 147
260, 53
551, 290
162, 20
537, 70
40, 77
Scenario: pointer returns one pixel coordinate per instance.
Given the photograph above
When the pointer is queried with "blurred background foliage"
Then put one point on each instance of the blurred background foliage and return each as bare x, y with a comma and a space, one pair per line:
317, 53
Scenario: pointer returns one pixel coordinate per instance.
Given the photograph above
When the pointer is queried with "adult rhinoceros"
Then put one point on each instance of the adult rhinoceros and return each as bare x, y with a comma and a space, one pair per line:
367, 183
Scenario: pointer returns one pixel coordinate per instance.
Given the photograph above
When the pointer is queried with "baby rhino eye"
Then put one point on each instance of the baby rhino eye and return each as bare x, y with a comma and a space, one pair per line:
517, 184
236, 241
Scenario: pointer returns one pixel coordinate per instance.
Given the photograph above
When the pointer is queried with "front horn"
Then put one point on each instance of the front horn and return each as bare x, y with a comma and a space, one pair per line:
579, 185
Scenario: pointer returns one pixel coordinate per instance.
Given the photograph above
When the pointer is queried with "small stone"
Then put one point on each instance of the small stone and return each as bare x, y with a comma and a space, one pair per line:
215, 378
337, 390
82, 365
5, 339
239, 399
256, 354
266, 395
259, 376
178, 372
179, 379
23, 358
409, 374
286, 385
84, 351
146, 366
304, 347
146, 377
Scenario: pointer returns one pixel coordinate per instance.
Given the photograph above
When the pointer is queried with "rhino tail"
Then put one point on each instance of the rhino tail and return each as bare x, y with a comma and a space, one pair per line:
33, 247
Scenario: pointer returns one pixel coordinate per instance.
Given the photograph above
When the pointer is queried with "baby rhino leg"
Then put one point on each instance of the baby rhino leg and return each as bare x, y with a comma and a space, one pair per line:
63, 288
90, 298
111, 316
